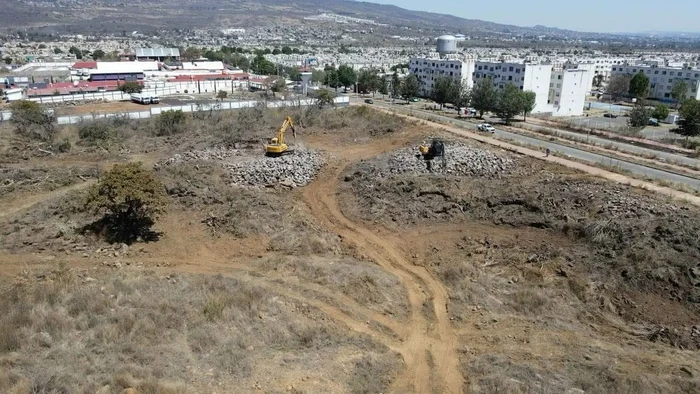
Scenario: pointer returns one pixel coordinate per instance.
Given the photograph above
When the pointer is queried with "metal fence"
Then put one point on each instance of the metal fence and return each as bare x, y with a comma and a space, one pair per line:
220, 106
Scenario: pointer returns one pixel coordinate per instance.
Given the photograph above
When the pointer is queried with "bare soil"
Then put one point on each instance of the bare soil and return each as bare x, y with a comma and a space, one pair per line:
540, 279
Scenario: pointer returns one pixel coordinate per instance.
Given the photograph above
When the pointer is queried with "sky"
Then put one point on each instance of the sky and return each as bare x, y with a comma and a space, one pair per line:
628, 16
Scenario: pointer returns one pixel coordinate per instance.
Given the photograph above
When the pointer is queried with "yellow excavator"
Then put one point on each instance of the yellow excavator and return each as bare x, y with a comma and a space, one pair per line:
277, 147
436, 149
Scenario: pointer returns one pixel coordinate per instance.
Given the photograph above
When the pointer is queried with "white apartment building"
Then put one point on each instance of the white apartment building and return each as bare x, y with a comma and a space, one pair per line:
600, 66
429, 69
526, 76
662, 79
567, 91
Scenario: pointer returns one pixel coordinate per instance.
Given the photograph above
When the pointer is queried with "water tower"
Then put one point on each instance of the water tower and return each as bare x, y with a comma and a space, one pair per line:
446, 45
305, 78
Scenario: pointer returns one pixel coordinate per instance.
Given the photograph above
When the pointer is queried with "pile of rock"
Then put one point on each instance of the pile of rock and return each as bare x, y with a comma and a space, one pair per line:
460, 159
252, 169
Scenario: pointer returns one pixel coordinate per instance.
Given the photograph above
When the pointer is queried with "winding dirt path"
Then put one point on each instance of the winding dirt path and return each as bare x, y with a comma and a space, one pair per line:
430, 346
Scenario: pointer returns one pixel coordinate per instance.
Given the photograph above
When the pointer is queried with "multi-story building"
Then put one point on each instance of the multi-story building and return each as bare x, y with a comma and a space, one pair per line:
429, 69
526, 76
662, 79
599, 66
567, 91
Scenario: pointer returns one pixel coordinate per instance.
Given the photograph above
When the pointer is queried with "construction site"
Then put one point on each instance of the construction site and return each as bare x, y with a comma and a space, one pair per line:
338, 250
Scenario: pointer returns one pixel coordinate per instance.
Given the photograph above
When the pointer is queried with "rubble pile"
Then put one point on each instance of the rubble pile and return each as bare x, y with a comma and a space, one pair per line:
252, 169
460, 159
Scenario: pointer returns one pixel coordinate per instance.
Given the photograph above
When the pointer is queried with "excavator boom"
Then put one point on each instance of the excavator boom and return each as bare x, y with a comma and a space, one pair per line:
277, 147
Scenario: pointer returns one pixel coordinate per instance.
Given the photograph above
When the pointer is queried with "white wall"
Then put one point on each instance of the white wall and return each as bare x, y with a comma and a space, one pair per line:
537, 79
570, 99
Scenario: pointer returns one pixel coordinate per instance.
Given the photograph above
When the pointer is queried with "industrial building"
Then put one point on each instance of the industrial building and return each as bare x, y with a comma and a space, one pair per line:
662, 79
157, 54
445, 63
525, 76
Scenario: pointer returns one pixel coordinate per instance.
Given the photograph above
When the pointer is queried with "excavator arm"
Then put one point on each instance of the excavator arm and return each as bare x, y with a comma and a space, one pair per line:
277, 146
288, 124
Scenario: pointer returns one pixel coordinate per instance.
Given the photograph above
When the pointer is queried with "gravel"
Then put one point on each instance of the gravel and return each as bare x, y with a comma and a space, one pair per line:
252, 169
460, 159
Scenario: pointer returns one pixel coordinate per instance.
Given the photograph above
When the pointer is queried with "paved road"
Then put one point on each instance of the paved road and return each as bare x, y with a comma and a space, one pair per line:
572, 152
608, 107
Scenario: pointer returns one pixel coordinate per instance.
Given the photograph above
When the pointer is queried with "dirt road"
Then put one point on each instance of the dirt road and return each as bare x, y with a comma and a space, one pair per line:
429, 348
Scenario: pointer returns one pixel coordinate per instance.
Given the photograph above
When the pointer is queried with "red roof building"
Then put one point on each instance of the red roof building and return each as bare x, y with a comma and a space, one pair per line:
79, 65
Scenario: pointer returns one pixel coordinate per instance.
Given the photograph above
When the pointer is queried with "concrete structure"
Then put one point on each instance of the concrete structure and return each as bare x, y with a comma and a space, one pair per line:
306, 74
600, 66
567, 92
526, 76
662, 79
429, 69
446, 44
12, 94
159, 54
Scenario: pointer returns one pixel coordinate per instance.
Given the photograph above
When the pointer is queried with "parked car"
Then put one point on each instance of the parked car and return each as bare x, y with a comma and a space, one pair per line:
414, 100
609, 115
485, 127
369, 101
653, 122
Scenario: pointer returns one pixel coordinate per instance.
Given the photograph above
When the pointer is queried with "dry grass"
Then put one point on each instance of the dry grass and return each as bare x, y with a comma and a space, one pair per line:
156, 335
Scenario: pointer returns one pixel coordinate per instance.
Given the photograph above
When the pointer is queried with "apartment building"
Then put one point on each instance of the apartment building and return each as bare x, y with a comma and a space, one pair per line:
567, 91
429, 69
662, 79
599, 66
526, 76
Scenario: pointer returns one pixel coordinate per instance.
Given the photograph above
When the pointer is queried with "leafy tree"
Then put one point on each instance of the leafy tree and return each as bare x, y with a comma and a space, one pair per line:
529, 99
661, 112
214, 56
131, 87
8, 60
679, 90
368, 81
191, 53
131, 199
395, 85
279, 85
262, 66
509, 102
98, 54
464, 95
32, 121
332, 78
77, 52
598, 80
639, 86
639, 115
384, 85
286, 50
689, 112
325, 98
618, 86
276, 51
170, 122
221, 94
267, 51
445, 90
410, 87
346, 76
294, 74
483, 97
318, 76
57, 50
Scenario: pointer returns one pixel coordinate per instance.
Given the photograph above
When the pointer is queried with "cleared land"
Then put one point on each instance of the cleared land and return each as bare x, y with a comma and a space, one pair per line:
496, 272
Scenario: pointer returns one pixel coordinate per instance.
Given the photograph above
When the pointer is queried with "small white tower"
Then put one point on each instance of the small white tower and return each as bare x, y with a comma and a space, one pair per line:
305, 78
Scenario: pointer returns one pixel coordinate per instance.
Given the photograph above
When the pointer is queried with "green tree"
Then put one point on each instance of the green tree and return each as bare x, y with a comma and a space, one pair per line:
689, 125
318, 76
529, 99
294, 74
214, 56
410, 87
395, 85
679, 91
170, 122
276, 51
221, 95
368, 80
279, 85
191, 53
464, 96
32, 121
325, 97
57, 51
346, 76
98, 54
639, 115
262, 66
131, 87
639, 86
483, 97
445, 90
661, 112
332, 78
618, 86
77, 52
131, 199
286, 50
7, 59
509, 102
598, 80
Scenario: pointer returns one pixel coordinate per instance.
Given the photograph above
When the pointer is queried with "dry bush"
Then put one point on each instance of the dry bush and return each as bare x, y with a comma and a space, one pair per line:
530, 301
373, 375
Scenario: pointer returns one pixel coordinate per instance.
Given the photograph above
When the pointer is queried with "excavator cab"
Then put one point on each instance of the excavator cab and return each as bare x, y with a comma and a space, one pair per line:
277, 147
430, 152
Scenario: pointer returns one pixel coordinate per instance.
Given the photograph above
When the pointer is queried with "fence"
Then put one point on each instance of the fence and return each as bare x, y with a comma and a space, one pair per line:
220, 106
105, 96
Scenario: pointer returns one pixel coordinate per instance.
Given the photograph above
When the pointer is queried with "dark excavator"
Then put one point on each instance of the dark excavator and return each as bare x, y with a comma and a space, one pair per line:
436, 149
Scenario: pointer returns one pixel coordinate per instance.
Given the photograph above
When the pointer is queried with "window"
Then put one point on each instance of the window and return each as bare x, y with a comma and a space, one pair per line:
634, 70
558, 85
551, 85
556, 103
663, 72
517, 71
697, 75
614, 68
670, 80
452, 66
656, 72
491, 69
479, 67
451, 73
558, 76
687, 75
510, 77
667, 95
510, 69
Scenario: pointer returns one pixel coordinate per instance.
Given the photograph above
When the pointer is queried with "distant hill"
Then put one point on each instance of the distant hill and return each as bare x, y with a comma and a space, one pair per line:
118, 15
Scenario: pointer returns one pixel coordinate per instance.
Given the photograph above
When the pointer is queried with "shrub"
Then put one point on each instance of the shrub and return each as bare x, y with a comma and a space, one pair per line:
64, 146
32, 121
131, 87
131, 198
222, 94
170, 122
97, 133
